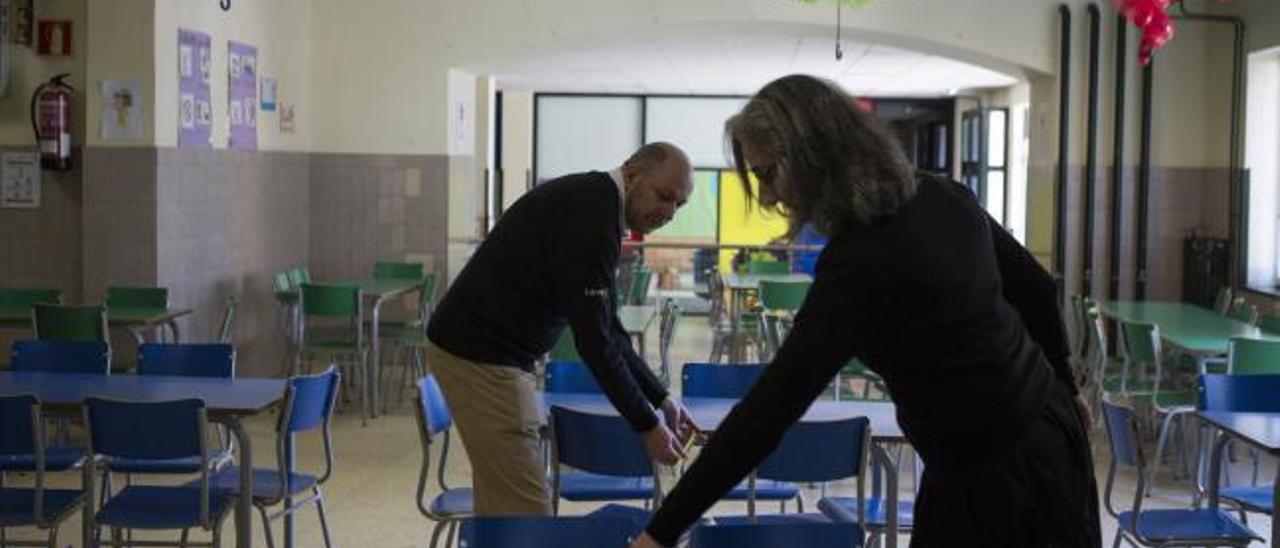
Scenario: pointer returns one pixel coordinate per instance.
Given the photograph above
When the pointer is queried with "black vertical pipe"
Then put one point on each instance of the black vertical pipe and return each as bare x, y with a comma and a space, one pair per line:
1064, 133
1117, 157
1144, 178
1091, 152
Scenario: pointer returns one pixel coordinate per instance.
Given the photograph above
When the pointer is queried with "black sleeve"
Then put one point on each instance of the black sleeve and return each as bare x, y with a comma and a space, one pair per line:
649, 383
592, 318
814, 351
1030, 289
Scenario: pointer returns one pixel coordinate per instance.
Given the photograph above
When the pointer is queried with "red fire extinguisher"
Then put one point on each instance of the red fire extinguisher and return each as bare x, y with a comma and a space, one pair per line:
51, 120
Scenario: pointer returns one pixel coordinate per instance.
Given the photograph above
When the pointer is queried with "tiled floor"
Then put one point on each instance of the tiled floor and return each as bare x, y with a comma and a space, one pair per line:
370, 498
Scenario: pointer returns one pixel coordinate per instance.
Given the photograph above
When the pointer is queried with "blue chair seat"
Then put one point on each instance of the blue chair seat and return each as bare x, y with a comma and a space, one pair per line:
16, 505
771, 519
765, 490
56, 459
152, 507
845, 510
454, 502
266, 482
582, 486
638, 517
1167, 525
1257, 499
187, 465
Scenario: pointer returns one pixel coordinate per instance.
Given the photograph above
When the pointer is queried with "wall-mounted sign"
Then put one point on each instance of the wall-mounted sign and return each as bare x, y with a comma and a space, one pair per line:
20, 179
54, 38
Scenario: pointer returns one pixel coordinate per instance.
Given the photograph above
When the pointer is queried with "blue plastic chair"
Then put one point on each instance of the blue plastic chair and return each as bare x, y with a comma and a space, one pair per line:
22, 440
61, 357
709, 380
1242, 394
187, 360
565, 377
1207, 527
544, 532
777, 535
451, 505
613, 461
161, 431
308, 407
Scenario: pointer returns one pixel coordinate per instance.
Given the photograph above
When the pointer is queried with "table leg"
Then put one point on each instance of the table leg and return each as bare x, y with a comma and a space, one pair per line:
735, 331
244, 506
891, 495
1215, 469
1275, 523
289, 465
87, 529
375, 362
173, 331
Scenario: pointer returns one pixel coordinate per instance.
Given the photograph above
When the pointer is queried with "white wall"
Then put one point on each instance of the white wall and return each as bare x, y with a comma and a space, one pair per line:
1261, 150
517, 144
279, 29
28, 70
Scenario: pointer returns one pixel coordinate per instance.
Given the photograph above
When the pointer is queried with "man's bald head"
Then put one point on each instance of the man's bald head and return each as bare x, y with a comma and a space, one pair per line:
658, 180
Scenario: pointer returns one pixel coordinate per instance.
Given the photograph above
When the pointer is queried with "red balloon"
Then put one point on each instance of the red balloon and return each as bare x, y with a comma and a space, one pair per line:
1151, 18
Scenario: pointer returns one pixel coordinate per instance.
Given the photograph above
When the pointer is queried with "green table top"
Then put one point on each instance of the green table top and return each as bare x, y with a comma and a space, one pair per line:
752, 281
115, 316
636, 319
1192, 328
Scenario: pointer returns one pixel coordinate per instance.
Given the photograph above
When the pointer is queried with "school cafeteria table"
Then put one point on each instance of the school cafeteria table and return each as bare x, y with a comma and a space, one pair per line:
1261, 430
227, 402
131, 318
1199, 332
380, 290
710, 412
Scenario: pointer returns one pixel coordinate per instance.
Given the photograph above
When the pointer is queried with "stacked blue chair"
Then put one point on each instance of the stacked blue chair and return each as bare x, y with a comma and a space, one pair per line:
160, 431
613, 461
86, 358
434, 420
569, 377
1242, 394
308, 407
540, 532
22, 449
1181, 527
709, 380
777, 535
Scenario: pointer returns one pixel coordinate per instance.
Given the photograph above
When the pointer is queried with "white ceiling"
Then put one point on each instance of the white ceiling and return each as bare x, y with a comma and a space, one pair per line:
739, 64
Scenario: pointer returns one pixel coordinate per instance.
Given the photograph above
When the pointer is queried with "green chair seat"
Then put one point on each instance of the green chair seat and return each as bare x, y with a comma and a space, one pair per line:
349, 345
1175, 399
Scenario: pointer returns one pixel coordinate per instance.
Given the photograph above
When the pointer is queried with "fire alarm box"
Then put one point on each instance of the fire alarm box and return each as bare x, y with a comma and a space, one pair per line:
53, 37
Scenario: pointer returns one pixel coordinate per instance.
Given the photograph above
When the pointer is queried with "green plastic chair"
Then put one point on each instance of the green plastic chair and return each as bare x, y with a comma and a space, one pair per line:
565, 349
1171, 403
857, 370
388, 270
329, 304
1253, 356
24, 298
669, 319
768, 267
409, 337
228, 319
1222, 303
70, 323
778, 296
137, 297
1242, 310
1270, 324
299, 275
280, 283
638, 293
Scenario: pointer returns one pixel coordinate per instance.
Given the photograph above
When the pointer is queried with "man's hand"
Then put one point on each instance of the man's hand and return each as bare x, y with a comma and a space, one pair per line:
662, 445
645, 541
679, 420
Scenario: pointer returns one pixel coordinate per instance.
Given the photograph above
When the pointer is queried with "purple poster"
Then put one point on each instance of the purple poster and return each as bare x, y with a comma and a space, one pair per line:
195, 113
242, 95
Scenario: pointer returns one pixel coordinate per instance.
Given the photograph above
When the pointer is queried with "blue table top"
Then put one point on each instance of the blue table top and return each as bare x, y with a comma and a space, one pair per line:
710, 412
223, 396
1258, 429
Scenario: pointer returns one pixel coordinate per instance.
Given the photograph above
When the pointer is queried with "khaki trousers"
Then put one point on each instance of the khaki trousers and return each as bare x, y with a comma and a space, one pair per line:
497, 414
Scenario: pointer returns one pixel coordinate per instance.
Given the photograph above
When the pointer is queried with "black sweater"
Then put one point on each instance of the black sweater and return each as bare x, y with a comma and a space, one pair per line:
548, 262
919, 298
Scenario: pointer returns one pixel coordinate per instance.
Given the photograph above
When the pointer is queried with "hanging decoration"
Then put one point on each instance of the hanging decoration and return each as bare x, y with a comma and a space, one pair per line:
1151, 18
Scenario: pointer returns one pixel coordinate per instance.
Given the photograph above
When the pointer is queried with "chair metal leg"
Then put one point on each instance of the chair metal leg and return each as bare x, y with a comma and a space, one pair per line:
435, 533
453, 534
1160, 446
266, 526
182, 541
117, 538
1116, 543
53, 537
324, 523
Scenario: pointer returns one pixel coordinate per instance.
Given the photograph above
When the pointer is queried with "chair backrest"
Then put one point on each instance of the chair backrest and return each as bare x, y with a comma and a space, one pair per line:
709, 380
567, 377
1244, 311
433, 418
1141, 341
1222, 302
1270, 324
24, 298
777, 535
22, 440
308, 405
715, 292
820, 451
639, 290
228, 319
565, 349
1239, 393
600, 444
546, 532
330, 300
670, 318
69, 323
768, 267
61, 357
299, 275
280, 283
427, 297
391, 270
783, 296
187, 360
1253, 356
1122, 433
137, 297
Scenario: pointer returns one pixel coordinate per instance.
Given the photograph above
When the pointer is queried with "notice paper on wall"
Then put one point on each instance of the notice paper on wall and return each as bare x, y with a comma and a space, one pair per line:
20, 179
195, 112
242, 95
121, 110
268, 94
